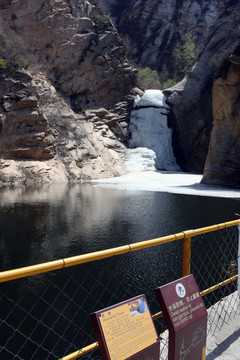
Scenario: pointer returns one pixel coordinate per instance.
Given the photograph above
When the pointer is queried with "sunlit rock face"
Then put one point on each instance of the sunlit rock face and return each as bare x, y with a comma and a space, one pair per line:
66, 117
149, 128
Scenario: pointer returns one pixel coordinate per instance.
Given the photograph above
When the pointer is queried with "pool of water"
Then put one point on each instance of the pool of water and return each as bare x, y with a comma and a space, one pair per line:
49, 222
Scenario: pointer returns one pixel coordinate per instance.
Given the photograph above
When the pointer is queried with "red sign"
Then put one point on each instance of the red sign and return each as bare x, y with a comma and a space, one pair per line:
126, 331
186, 318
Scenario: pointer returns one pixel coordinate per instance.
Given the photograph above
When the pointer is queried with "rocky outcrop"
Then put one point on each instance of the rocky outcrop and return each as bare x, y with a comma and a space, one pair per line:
76, 45
44, 140
152, 29
65, 118
191, 99
24, 129
223, 161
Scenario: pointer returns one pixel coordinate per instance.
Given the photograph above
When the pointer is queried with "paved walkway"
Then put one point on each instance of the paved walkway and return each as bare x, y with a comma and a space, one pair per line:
224, 344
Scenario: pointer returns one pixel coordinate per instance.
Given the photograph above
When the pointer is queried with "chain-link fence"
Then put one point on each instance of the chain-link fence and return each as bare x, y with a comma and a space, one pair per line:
47, 316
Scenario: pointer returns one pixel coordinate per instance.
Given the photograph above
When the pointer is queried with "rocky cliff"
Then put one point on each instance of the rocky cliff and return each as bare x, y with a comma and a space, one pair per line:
67, 89
191, 99
152, 30
223, 161
63, 118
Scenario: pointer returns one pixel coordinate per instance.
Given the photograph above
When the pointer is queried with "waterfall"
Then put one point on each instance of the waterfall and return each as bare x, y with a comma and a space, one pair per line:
150, 133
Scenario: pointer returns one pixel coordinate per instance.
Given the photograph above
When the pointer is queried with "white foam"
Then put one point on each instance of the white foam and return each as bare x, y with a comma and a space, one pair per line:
140, 159
151, 98
149, 129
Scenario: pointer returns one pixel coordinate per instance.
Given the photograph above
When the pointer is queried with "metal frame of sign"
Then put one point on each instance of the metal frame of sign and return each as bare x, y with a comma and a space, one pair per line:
126, 331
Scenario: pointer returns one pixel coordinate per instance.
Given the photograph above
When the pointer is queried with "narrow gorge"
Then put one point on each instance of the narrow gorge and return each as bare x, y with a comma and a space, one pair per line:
69, 80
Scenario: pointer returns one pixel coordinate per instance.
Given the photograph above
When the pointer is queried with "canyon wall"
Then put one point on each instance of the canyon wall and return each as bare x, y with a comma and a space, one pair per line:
152, 30
64, 113
223, 161
63, 117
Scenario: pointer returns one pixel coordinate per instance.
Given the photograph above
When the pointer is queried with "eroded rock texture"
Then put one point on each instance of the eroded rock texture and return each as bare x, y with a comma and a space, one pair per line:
191, 99
24, 129
151, 30
70, 108
66, 117
223, 162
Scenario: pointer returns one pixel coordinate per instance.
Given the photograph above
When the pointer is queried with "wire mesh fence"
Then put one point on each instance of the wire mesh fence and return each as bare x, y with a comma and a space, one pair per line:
47, 316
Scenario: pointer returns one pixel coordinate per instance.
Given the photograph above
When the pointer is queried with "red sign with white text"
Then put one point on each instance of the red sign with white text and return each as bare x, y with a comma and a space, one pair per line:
186, 318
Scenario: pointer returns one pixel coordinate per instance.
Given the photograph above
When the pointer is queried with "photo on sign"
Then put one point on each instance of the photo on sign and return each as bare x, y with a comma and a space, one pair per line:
138, 307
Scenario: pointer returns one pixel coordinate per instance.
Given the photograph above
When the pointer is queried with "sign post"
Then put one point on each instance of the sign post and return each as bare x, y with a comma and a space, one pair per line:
239, 260
186, 318
126, 331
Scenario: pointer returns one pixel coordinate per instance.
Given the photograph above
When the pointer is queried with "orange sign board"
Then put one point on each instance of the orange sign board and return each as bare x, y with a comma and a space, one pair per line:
126, 329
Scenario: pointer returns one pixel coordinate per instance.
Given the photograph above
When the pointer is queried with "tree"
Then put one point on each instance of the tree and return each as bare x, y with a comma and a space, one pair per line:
148, 79
10, 60
184, 56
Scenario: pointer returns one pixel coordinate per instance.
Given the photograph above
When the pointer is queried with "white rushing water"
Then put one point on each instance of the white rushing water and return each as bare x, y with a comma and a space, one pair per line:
149, 129
140, 159
151, 140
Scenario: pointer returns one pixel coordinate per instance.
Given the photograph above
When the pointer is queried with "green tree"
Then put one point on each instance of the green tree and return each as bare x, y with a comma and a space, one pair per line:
184, 56
148, 79
3, 64
10, 60
169, 83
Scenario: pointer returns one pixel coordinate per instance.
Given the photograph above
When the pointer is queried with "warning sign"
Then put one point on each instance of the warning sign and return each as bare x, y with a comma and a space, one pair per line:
186, 318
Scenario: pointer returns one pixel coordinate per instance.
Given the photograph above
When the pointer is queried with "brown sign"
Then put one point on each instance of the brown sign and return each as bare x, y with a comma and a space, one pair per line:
186, 318
126, 330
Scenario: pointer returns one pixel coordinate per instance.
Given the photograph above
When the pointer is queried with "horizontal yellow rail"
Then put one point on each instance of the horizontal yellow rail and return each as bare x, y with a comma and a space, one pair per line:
156, 316
81, 352
80, 259
217, 286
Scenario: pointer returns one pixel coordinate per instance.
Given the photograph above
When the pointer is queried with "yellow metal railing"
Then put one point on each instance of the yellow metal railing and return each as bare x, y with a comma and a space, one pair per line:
81, 259
76, 260
81, 352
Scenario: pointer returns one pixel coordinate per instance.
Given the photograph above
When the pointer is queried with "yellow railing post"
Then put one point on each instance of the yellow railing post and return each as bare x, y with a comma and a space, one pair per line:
187, 256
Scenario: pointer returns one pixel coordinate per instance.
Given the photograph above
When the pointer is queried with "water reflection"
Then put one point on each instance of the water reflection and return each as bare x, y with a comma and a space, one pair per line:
43, 223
